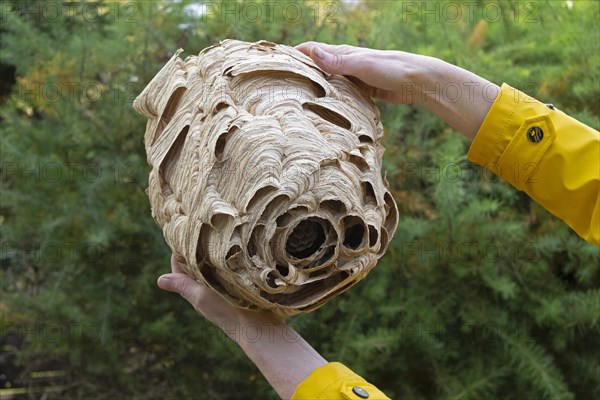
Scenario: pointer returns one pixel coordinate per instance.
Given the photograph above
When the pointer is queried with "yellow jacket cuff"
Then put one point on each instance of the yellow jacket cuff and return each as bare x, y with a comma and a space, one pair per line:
554, 158
335, 381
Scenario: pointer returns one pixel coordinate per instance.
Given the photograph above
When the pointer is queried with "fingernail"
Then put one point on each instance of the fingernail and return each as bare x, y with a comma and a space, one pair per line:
163, 279
320, 53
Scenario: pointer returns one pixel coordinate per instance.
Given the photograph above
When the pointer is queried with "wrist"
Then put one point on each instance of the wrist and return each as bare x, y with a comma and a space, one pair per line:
457, 96
429, 79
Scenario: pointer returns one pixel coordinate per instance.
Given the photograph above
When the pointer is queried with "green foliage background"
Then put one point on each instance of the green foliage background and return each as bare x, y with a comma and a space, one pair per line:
482, 294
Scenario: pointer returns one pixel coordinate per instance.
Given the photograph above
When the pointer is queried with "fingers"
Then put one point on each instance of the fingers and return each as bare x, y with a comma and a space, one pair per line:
182, 284
340, 59
329, 62
179, 282
175, 268
334, 59
335, 63
306, 48
208, 303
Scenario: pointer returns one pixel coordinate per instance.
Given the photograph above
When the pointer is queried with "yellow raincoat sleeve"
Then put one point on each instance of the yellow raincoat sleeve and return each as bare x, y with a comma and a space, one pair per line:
539, 149
335, 381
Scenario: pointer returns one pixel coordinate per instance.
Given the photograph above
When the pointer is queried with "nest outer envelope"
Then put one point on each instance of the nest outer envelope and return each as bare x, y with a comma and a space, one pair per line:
266, 175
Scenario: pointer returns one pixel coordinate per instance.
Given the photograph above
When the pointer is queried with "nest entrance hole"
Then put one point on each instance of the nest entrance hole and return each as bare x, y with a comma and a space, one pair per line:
354, 232
306, 238
353, 236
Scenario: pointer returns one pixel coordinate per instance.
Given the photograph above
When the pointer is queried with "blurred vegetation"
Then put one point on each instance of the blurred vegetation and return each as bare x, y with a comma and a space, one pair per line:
482, 294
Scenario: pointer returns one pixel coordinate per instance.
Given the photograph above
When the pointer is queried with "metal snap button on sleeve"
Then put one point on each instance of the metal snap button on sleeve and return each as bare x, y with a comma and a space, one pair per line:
535, 134
360, 392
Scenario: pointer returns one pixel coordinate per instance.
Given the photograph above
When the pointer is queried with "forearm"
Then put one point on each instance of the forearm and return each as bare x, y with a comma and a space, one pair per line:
281, 354
457, 96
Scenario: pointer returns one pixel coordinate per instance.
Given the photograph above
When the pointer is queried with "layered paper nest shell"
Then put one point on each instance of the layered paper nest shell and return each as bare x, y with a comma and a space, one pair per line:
266, 175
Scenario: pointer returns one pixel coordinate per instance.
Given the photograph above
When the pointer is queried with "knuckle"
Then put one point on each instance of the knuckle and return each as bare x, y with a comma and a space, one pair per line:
338, 62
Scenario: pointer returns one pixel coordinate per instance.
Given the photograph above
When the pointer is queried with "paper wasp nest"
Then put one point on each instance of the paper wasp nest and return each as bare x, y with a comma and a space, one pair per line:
266, 175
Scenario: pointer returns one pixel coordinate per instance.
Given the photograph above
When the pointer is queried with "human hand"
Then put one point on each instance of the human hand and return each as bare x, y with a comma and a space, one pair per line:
392, 76
208, 303
457, 96
282, 355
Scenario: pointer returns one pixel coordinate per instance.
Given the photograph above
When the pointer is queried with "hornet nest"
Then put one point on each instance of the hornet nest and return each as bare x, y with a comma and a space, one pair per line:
266, 175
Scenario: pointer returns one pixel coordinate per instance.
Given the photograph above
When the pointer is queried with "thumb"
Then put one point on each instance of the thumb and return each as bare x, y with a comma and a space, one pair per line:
179, 283
332, 63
